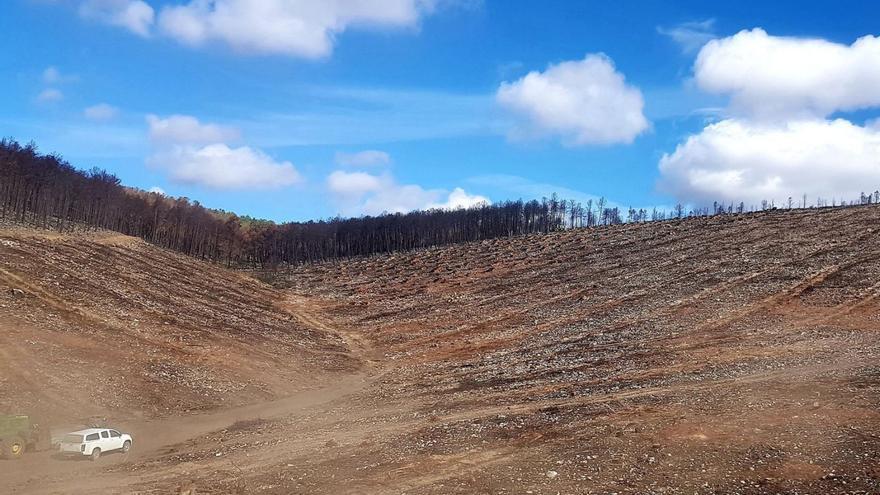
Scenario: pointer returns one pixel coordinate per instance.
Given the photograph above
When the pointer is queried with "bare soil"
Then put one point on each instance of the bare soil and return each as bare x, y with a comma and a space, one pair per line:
723, 355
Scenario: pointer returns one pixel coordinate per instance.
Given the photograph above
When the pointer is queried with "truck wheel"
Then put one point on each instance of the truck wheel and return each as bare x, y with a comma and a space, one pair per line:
126, 446
13, 449
96, 454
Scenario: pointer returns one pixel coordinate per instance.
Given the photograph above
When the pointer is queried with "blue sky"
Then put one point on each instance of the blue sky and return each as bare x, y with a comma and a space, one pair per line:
454, 101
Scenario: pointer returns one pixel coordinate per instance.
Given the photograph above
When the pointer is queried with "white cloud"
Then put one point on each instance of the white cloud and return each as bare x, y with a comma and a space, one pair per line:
365, 158
195, 153
217, 166
398, 199
360, 193
781, 78
157, 190
459, 199
742, 160
300, 28
187, 129
135, 15
585, 102
777, 141
353, 184
50, 95
690, 36
101, 112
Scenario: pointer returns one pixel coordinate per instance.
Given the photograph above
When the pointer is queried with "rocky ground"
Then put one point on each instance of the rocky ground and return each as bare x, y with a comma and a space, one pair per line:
722, 355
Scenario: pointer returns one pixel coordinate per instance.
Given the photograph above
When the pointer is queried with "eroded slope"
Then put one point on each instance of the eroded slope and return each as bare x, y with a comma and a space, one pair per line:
99, 324
722, 355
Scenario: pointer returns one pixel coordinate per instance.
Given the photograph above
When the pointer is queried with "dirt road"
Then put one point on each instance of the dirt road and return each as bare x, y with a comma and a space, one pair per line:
44, 472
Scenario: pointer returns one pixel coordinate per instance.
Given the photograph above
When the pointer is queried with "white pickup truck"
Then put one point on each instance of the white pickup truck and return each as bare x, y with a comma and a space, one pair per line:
93, 442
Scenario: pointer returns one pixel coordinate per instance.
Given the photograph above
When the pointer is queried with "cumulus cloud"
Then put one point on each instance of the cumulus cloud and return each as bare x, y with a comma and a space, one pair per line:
353, 184
217, 166
157, 190
197, 153
135, 15
365, 158
50, 95
300, 28
101, 112
188, 129
741, 160
690, 36
584, 102
360, 193
780, 77
778, 141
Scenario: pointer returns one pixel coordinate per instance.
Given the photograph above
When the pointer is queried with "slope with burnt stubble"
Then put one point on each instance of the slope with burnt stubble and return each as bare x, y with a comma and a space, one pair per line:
733, 353
102, 324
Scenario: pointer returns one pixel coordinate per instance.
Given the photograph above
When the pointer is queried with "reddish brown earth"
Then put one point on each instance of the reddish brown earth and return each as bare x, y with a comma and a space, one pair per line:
726, 355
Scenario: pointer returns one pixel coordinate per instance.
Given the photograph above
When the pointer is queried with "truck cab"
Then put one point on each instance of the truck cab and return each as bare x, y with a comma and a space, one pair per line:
18, 434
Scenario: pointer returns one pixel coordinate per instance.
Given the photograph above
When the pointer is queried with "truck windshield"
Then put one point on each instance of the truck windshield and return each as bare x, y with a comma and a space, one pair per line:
73, 439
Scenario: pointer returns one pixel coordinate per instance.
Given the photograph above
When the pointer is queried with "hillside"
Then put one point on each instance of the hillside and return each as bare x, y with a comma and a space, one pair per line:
98, 322
731, 354
723, 354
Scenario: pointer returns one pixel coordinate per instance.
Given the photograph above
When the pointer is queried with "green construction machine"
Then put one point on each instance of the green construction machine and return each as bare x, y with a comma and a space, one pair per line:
19, 434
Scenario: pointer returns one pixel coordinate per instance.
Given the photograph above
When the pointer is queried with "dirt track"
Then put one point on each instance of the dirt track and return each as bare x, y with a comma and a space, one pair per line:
723, 355
43, 470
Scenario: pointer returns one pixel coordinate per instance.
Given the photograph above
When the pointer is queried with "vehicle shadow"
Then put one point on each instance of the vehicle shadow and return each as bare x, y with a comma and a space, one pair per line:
57, 456
62, 457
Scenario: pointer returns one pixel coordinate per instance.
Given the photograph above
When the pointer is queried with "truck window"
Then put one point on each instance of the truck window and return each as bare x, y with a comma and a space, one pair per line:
105, 434
92, 437
114, 434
